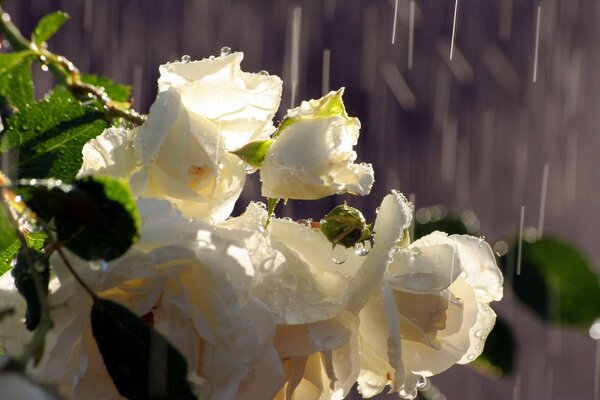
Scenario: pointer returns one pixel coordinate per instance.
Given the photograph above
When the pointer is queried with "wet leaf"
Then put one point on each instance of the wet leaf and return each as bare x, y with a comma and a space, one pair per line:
254, 152
140, 361
95, 217
16, 84
116, 92
557, 282
50, 134
48, 26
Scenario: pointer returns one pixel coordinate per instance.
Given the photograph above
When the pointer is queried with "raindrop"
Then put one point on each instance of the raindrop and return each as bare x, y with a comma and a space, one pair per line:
421, 383
500, 248
595, 330
249, 169
225, 51
471, 357
185, 58
478, 333
98, 265
362, 249
44, 68
338, 254
263, 72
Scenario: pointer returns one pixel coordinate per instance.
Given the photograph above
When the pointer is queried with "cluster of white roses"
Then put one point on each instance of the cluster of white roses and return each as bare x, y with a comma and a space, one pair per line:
263, 311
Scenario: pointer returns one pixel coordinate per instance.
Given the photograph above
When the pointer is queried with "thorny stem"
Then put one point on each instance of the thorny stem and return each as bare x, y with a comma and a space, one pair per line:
66, 72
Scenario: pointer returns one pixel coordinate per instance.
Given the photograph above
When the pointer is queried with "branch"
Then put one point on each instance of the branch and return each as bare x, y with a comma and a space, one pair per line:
66, 72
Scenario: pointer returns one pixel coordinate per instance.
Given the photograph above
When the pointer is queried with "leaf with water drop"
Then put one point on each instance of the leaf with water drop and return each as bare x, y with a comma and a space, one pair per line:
49, 136
118, 93
557, 282
16, 83
48, 26
95, 217
254, 153
140, 361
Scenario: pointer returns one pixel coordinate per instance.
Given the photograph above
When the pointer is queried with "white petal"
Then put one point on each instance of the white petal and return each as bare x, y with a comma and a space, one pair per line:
110, 153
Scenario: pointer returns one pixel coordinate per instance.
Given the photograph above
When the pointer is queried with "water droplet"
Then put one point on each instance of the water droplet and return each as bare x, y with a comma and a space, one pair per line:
478, 347
249, 169
44, 68
225, 51
338, 254
98, 265
362, 249
185, 58
377, 210
595, 330
471, 357
500, 248
263, 72
421, 383
18, 199
478, 333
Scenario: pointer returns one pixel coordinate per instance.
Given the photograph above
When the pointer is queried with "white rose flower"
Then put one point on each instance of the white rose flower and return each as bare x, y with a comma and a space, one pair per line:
183, 287
315, 300
431, 313
312, 155
204, 109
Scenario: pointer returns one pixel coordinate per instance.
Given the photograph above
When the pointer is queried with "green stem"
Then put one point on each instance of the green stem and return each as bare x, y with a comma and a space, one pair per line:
75, 274
66, 72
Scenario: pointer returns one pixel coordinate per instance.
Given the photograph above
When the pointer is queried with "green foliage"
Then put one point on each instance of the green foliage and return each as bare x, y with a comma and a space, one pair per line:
95, 218
30, 262
556, 282
50, 134
451, 223
141, 362
498, 356
16, 85
117, 92
9, 61
48, 26
254, 152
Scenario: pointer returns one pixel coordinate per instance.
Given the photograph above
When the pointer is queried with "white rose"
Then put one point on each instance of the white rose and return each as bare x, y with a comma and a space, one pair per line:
203, 110
183, 287
431, 313
316, 301
312, 155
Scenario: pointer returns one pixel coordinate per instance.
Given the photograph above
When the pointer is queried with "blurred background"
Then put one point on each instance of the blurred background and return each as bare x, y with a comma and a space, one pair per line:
507, 128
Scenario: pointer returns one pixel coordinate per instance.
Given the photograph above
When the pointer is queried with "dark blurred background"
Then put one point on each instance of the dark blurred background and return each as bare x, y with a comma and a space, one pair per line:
474, 132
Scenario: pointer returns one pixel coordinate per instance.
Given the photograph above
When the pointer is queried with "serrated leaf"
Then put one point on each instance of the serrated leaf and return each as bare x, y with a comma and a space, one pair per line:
117, 92
557, 282
31, 262
48, 26
50, 134
140, 361
11, 60
95, 217
498, 356
16, 85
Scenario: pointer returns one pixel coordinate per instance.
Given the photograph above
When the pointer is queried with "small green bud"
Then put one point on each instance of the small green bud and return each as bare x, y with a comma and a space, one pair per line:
254, 152
346, 226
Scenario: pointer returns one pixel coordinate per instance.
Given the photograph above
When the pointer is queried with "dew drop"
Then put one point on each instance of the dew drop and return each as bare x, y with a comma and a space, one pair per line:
421, 382
478, 333
185, 58
44, 68
338, 254
263, 72
98, 265
471, 357
225, 51
478, 347
362, 248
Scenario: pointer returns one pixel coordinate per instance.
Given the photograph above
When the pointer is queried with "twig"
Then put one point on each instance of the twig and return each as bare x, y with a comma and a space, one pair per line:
66, 72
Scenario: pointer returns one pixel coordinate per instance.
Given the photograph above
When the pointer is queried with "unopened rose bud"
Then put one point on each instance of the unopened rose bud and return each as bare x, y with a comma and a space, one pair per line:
346, 226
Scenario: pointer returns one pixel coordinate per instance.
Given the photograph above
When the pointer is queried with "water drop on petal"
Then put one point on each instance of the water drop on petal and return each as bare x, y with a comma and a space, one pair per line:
225, 51
338, 254
185, 58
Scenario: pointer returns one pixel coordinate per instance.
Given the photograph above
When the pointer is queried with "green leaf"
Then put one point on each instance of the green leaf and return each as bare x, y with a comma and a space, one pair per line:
434, 218
141, 362
9, 61
116, 92
31, 262
48, 26
498, 356
254, 153
16, 85
96, 217
50, 134
556, 282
